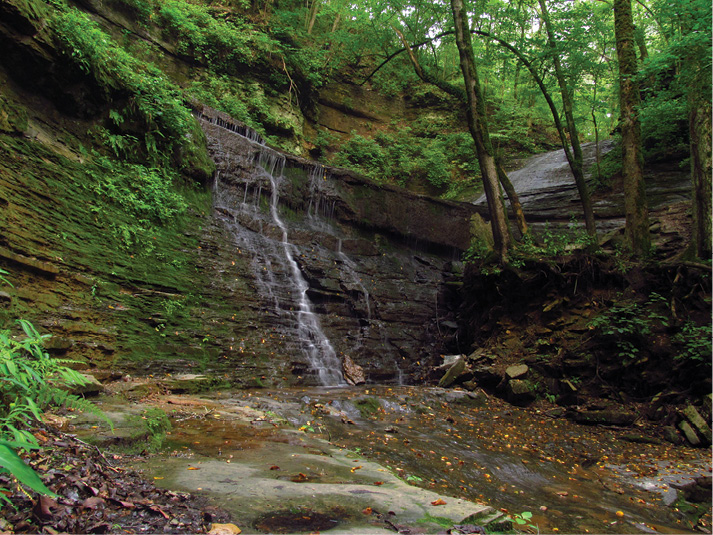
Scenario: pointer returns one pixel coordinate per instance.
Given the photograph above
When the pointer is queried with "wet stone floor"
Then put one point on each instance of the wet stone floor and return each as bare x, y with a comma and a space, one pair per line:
417, 460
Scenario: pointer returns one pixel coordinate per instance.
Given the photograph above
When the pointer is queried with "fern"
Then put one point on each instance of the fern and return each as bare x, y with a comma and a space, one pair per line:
31, 381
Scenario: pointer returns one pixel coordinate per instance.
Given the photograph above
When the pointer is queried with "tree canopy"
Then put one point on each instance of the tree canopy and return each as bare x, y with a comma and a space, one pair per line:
549, 74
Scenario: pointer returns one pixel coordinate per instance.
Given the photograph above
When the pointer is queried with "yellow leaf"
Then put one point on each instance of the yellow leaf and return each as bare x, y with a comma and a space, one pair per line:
224, 529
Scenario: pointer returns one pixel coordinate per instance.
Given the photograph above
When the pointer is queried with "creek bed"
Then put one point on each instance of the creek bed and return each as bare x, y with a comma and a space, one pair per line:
351, 450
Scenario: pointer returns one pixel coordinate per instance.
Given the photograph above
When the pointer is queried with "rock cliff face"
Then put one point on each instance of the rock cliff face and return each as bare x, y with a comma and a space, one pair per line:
370, 263
231, 285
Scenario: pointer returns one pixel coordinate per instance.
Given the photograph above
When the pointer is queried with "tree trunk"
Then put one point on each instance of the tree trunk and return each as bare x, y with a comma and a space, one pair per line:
477, 124
461, 95
700, 134
312, 16
576, 163
336, 22
514, 201
635, 207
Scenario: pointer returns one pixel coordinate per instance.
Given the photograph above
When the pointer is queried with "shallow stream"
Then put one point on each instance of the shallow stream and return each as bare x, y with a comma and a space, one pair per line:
276, 458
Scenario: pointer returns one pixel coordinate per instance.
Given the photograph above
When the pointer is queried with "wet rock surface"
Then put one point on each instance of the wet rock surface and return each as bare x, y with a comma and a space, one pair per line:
549, 196
368, 263
350, 456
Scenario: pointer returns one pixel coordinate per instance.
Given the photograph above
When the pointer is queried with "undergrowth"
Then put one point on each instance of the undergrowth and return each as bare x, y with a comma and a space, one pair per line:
154, 103
412, 155
31, 382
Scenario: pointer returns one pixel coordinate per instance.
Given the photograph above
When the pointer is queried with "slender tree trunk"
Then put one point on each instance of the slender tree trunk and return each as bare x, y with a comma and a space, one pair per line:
336, 22
641, 44
460, 94
598, 152
700, 133
312, 15
478, 127
635, 207
514, 201
576, 164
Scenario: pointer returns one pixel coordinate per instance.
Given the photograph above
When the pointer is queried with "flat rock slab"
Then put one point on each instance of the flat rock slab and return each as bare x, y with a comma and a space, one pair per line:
517, 372
306, 479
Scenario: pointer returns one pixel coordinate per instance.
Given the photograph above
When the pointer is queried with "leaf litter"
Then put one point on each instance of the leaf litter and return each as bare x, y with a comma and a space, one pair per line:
96, 494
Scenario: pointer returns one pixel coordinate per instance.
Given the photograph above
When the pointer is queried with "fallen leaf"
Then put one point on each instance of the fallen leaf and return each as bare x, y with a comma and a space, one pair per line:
224, 529
355, 468
43, 506
367, 511
439, 501
193, 468
92, 502
378, 483
274, 467
157, 509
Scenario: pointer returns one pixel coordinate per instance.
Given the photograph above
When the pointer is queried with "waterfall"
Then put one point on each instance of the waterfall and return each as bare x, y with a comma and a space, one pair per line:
315, 344
278, 274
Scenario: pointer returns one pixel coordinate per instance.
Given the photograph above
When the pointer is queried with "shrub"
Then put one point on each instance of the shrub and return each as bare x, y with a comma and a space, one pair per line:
694, 342
30, 382
630, 325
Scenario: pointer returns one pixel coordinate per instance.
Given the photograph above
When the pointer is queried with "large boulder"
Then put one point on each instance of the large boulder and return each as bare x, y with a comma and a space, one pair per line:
702, 429
519, 392
518, 371
602, 417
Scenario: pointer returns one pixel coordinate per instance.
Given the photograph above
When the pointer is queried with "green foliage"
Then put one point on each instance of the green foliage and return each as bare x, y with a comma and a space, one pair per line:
154, 102
3, 279
664, 126
695, 343
157, 423
30, 382
364, 155
245, 102
142, 192
145, 194
551, 244
141, 9
629, 325
478, 251
609, 166
221, 93
411, 157
222, 45
10, 462
523, 518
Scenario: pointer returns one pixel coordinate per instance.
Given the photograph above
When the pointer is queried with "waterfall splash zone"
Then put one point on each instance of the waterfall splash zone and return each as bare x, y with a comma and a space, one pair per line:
277, 271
